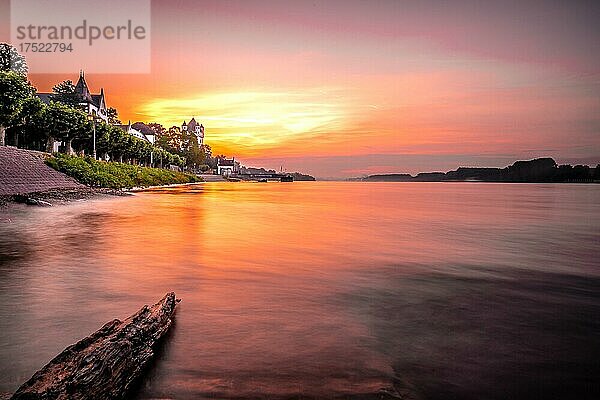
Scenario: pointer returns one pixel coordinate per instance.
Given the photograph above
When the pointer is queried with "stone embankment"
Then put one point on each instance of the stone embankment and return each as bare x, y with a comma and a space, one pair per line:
212, 178
23, 172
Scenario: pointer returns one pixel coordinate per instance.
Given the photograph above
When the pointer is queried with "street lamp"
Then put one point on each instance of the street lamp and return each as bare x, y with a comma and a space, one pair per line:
92, 118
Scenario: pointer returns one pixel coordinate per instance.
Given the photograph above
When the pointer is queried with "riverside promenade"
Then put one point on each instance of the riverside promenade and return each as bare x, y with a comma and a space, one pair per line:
24, 171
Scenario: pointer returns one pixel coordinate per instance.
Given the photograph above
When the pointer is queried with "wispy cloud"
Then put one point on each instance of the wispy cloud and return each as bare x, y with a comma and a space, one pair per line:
257, 117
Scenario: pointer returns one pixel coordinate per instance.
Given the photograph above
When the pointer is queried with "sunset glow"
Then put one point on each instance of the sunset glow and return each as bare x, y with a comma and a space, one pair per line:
300, 199
345, 88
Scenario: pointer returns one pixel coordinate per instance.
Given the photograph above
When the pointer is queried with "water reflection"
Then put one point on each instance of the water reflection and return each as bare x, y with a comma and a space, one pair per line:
320, 289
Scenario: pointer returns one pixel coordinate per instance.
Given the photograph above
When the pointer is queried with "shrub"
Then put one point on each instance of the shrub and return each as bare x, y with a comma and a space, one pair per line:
115, 175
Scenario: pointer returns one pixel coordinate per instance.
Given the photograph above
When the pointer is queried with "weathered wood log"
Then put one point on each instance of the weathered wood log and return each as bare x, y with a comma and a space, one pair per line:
105, 364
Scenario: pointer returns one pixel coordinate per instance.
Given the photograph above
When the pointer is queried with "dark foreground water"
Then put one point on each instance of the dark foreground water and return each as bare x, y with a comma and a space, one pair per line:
318, 290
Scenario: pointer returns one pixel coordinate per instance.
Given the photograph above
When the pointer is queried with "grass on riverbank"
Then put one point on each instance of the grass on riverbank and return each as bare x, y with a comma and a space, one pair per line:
115, 175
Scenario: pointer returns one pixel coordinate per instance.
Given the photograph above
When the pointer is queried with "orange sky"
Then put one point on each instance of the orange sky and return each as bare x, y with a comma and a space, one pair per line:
342, 88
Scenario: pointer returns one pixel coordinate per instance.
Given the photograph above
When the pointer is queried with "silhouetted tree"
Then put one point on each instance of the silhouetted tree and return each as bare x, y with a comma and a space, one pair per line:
581, 172
14, 90
113, 116
11, 60
24, 133
169, 140
64, 93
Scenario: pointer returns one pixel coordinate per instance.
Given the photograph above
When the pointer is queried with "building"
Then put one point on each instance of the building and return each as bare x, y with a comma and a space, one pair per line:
148, 137
194, 127
227, 167
93, 104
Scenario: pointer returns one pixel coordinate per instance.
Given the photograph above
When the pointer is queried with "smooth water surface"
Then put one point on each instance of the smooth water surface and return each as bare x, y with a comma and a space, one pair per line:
318, 290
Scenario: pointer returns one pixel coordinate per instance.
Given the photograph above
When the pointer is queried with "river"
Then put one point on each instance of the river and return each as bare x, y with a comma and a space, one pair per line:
320, 289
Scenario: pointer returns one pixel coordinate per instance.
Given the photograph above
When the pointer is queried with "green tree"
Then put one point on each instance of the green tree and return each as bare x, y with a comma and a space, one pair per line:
64, 92
170, 140
194, 153
14, 90
11, 60
103, 143
61, 122
207, 156
207, 151
120, 146
118, 142
24, 133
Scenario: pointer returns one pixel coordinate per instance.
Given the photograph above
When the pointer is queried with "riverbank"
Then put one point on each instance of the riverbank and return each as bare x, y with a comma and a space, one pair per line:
24, 172
58, 196
37, 178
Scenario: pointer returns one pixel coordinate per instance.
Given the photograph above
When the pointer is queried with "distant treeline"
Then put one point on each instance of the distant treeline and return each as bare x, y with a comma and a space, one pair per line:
538, 170
256, 171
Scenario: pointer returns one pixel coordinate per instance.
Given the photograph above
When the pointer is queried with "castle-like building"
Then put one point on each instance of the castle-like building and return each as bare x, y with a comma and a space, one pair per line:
93, 104
194, 127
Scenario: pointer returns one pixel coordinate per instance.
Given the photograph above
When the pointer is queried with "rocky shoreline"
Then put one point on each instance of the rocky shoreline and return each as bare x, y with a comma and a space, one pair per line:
53, 197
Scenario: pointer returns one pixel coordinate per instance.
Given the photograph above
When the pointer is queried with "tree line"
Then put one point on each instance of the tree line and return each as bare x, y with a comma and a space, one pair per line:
27, 122
536, 170
185, 144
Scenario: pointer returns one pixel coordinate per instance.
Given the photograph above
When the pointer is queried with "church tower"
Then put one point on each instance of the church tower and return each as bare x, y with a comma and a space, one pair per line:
195, 128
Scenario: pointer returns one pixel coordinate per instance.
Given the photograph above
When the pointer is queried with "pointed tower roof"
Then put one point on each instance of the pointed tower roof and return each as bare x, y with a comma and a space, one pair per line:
192, 125
81, 87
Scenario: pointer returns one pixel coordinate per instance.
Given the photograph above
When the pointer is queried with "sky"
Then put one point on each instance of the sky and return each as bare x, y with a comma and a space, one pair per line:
344, 88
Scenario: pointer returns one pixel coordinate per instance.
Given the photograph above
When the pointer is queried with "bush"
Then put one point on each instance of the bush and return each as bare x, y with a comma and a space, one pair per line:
115, 175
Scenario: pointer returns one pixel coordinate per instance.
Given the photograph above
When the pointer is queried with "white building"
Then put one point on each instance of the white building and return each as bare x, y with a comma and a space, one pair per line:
93, 104
194, 127
148, 137
227, 167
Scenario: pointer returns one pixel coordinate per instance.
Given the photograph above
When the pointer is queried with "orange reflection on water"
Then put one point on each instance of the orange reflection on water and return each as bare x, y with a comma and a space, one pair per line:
286, 288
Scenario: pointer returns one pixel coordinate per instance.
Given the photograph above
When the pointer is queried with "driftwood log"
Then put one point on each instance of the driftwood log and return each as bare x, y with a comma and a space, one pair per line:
105, 364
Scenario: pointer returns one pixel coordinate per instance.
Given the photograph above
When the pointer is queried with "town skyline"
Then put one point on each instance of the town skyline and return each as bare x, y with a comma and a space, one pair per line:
347, 89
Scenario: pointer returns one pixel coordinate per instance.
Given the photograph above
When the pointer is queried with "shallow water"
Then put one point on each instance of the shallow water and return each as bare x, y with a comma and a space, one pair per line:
318, 290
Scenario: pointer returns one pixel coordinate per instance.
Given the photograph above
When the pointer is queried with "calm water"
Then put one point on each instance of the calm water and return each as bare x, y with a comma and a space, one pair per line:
318, 290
